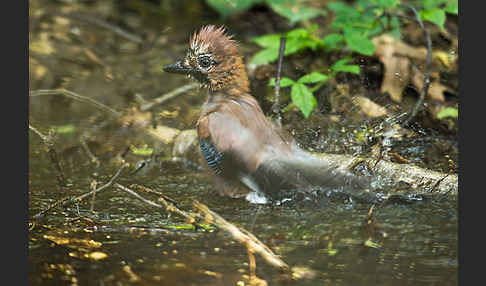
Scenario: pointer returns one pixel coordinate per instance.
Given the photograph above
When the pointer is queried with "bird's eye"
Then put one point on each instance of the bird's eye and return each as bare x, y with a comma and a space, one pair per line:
204, 62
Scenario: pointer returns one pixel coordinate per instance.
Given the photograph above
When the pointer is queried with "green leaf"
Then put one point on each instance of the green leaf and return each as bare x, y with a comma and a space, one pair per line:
342, 66
293, 10
344, 15
331, 41
142, 151
284, 82
268, 41
436, 16
372, 244
298, 33
359, 43
348, 68
292, 45
387, 3
339, 7
395, 27
302, 98
394, 22
448, 112
64, 129
300, 39
313, 77
341, 62
297, 39
226, 7
265, 56
431, 4
452, 7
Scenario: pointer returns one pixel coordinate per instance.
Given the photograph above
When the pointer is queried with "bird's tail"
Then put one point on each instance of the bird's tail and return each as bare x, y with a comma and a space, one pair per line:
301, 171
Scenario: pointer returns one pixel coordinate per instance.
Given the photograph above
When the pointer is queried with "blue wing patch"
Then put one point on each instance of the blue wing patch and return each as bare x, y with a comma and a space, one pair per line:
212, 156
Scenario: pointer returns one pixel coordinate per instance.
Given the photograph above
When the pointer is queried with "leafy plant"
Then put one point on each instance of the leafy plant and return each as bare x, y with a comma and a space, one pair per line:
297, 40
293, 10
435, 10
352, 28
302, 95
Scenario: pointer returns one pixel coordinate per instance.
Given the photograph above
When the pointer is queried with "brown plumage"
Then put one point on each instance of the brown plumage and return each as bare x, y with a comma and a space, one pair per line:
244, 151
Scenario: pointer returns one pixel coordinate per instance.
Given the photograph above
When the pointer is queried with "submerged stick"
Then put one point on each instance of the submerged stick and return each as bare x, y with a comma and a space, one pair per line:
167, 96
90, 154
246, 238
75, 96
47, 141
110, 182
103, 24
169, 207
150, 191
243, 236
127, 190
93, 187
275, 107
69, 200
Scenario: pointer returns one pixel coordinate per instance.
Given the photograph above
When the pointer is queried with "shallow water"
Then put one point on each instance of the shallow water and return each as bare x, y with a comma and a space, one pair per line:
413, 244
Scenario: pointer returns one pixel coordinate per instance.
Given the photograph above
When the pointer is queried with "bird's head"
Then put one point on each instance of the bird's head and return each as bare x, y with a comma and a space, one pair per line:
213, 60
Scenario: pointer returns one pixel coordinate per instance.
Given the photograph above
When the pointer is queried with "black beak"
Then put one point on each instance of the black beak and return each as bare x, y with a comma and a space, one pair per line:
178, 67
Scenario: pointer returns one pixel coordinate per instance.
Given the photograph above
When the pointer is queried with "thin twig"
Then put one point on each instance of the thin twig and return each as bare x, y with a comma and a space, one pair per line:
149, 202
133, 277
167, 206
89, 153
60, 202
276, 107
438, 182
49, 144
425, 88
103, 24
243, 236
110, 182
93, 187
150, 191
44, 138
251, 259
167, 96
75, 96
69, 200
253, 221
